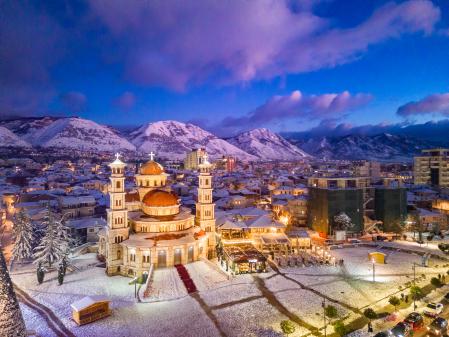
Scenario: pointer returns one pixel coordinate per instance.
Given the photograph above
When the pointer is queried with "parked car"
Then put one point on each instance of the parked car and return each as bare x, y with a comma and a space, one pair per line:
328, 242
383, 334
433, 309
381, 238
438, 327
402, 329
354, 241
415, 320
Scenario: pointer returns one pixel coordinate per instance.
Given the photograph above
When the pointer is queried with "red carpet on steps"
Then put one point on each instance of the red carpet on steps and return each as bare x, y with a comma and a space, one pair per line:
185, 277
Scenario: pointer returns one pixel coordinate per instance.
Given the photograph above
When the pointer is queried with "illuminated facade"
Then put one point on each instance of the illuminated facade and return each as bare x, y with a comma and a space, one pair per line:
432, 168
163, 232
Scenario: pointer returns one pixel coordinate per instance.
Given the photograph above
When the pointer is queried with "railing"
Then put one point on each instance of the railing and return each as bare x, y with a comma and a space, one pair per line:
148, 282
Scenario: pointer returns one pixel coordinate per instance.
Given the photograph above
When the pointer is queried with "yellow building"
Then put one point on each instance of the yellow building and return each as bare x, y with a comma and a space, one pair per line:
193, 159
155, 229
432, 168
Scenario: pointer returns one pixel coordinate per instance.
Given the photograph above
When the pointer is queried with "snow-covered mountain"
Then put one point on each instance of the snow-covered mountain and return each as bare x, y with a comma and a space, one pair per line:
172, 139
71, 132
382, 147
9, 139
267, 145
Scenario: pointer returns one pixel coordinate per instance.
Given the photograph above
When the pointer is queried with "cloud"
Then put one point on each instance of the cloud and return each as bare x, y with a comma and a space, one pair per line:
436, 103
73, 101
298, 106
175, 44
31, 42
125, 101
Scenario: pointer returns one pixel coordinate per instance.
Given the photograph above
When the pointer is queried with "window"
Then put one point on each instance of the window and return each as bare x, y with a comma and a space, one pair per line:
132, 257
118, 185
119, 255
146, 258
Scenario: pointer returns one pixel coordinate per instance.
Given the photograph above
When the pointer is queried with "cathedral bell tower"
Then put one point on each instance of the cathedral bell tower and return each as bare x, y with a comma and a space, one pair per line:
117, 216
205, 208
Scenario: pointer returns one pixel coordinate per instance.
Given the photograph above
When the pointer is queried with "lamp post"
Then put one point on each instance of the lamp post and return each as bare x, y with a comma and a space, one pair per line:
414, 284
324, 317
374, 270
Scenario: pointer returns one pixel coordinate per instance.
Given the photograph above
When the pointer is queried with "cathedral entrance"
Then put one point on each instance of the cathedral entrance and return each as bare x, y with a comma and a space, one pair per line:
161, 259
178, 254
190, 254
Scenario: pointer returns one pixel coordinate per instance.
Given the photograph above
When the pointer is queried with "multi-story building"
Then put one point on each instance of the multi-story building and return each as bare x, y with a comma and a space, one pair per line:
329, 197
193, 159
432, 168
390, 206
367, 168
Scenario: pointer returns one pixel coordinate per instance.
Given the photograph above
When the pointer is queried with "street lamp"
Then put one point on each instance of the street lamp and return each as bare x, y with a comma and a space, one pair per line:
324, 317
414, 284
374, 270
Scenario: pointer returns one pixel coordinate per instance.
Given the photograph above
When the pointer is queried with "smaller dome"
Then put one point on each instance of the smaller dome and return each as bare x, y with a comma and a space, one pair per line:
151, 168
160, 198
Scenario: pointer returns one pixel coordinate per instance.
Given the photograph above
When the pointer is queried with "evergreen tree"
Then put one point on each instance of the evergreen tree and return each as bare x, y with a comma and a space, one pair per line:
11, 320
23, 237
343, 221
60, 275
40, 272
54, 244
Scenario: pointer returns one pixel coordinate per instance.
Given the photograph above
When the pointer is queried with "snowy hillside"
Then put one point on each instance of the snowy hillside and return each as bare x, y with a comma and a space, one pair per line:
9, 139
172, 139
383, 147
267, 145
71, 132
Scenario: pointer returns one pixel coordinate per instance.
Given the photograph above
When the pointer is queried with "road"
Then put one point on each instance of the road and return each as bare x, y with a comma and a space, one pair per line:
427, 320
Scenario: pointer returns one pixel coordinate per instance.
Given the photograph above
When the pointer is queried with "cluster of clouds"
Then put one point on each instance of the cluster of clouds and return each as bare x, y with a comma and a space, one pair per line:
437, 104
295, 106
180, 44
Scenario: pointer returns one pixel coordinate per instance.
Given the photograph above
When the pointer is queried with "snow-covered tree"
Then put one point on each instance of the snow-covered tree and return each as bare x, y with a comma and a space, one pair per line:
23, 237
11, 320
55, 243
343, 221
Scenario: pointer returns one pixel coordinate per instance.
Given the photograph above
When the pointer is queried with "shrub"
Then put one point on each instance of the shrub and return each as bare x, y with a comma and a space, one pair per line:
340, 328
288, 327
436, 282
370, 313
416, 292
394, 301
331, 311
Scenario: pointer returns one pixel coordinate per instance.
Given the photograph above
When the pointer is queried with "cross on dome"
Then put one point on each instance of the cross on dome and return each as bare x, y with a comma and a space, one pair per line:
117, 156
152, 154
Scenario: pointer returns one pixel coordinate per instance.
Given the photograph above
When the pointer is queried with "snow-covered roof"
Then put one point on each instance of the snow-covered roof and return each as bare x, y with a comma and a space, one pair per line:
87, 223
87, 301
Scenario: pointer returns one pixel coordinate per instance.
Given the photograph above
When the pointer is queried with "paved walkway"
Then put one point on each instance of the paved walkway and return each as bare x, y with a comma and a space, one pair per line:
53, 322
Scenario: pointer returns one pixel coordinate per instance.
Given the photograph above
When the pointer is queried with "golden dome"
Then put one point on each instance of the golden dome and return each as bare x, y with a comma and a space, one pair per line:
151, 168
160, 198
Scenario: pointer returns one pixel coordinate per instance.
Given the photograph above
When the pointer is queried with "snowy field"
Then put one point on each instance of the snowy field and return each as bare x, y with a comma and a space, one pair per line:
245, 305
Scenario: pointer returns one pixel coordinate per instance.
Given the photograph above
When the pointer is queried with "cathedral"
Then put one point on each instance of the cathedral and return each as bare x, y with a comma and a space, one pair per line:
150, 226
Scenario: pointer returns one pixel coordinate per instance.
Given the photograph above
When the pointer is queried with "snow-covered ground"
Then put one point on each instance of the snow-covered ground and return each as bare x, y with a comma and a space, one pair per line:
245, 305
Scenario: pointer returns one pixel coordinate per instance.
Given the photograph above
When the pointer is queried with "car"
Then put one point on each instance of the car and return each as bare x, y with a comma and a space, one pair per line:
381, 238
415, 320
438, 327
433, 309
328, 242
383, 334
354, 241
402, 329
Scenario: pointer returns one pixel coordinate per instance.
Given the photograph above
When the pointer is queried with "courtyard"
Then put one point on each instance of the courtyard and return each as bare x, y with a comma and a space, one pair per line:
224, 305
